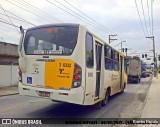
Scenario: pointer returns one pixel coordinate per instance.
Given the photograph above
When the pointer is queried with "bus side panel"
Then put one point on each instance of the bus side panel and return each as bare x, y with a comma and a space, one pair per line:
102, 88
122, 73
91, 77
107, 81
115, 81
79, 58
90, 82
90, 86
34, 75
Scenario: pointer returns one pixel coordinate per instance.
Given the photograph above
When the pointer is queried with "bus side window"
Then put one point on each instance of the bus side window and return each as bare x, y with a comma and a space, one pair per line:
116, 63
89, 51
108, 59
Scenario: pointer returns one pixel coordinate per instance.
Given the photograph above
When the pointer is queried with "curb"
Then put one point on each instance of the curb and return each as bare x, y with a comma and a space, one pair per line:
8, 94
145, 101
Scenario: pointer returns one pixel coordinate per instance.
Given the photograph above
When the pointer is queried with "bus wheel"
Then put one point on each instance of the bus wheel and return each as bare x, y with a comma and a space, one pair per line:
139, 79
105, 101
123, 88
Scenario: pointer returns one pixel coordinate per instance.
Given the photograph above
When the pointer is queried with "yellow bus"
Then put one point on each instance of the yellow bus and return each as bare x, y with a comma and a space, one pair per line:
69, 63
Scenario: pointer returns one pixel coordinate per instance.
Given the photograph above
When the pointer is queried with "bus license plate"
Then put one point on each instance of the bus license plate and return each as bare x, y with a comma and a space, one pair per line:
44, 94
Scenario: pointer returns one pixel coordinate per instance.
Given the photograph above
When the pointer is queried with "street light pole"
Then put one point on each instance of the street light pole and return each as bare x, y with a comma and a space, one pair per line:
112, 39
121, 43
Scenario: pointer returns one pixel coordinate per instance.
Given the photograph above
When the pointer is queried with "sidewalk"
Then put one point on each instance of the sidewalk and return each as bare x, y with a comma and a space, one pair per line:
152, 104
8, 90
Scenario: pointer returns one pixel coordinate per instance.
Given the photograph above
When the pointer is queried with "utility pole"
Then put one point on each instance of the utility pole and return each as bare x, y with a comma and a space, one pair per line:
154, 55
121, 43
111, 38
156, 65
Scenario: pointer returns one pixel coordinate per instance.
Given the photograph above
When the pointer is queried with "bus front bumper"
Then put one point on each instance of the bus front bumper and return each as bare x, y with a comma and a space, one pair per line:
75, 95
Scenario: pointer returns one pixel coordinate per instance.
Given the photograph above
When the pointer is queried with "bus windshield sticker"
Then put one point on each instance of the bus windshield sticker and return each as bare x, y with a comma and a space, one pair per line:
48, 52
55, 52
38, 51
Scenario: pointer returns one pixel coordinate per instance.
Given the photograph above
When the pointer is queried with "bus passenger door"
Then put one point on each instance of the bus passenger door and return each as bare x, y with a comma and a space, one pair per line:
121, 72
98, 51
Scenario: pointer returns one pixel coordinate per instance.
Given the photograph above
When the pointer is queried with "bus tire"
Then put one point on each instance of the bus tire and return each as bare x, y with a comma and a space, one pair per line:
138, 80
123, 88
105, 101
99, 105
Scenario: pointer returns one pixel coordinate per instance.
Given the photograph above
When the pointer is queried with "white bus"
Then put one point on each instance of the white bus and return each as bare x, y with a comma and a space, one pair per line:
69, 63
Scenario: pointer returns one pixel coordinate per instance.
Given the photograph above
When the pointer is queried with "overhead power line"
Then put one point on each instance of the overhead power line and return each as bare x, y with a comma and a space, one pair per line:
144, 17
84, 17
24, 3
8, 17
149, 17
32, 12
87, 16
19, 19
140, 18
141, 22
91, 24
152, 15
8, 23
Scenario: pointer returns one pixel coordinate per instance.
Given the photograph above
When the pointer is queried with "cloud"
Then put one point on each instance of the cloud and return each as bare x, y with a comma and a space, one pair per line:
118, 15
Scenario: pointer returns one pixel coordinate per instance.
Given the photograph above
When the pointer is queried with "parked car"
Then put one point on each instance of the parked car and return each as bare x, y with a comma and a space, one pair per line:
144, 74
148, 74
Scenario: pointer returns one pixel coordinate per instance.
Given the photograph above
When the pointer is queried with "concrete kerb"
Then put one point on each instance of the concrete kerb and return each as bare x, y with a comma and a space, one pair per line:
8, 94
146, 99
9, 90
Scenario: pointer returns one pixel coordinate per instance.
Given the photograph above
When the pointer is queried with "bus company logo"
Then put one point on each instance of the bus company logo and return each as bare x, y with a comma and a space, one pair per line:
6, 121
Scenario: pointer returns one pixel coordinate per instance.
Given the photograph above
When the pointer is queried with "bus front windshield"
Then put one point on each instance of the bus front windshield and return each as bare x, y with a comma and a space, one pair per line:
53, 40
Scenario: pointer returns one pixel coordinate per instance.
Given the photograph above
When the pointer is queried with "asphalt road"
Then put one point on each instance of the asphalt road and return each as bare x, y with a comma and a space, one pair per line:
123, 105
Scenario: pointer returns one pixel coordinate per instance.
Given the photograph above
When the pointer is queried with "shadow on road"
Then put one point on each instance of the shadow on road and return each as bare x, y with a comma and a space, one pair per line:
66, 110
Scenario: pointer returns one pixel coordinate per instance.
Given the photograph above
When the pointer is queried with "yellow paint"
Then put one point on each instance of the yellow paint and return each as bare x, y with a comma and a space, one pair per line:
98, 100
125, 77
59, 73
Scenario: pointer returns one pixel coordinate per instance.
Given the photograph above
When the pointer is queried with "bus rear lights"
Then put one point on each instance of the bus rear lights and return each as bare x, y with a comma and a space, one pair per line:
76, 77
20, 74
75, 84
77, 71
